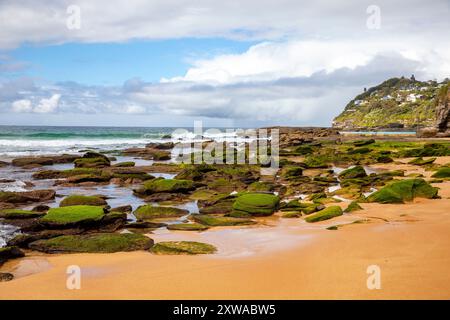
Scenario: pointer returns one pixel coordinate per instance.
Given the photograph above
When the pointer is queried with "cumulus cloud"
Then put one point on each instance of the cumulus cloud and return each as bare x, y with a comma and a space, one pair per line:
44, 105
23, 105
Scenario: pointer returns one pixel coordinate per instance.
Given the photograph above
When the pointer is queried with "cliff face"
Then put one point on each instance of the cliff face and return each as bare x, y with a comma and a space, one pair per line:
443, 111
397, 103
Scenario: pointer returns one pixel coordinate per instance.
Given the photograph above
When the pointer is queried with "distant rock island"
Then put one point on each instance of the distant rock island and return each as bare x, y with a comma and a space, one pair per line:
400, 104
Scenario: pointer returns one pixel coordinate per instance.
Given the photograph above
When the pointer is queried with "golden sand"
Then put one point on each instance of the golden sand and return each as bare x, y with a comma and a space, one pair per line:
284, 259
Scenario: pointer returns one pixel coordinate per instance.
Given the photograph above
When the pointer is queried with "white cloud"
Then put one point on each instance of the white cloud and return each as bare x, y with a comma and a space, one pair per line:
47, 105
135, 109
23, 105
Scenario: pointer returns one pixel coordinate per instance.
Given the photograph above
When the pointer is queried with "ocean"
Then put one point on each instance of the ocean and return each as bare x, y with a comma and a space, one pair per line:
16, 141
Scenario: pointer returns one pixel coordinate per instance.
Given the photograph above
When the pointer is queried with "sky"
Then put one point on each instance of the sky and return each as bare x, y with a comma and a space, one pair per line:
227, 63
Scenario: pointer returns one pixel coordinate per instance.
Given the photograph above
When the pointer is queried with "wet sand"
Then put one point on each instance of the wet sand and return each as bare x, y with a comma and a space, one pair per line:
285, 259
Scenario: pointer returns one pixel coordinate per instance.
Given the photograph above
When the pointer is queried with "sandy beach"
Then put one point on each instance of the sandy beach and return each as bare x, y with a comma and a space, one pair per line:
287, 259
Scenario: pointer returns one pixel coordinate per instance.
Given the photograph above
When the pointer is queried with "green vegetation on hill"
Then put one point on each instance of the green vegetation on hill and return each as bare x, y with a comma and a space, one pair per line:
397, 102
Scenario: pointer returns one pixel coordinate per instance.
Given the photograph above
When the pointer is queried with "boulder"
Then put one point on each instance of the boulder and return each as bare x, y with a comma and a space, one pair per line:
27, 196
73, 216
7, 253
19, 214
5, 276
148, 212
404, 190
257, 204
187, 227
78, 200
167, 185
352, 173
442, 173
325, 214
215, 220
421, 162
94, 243
182, 247
353, 206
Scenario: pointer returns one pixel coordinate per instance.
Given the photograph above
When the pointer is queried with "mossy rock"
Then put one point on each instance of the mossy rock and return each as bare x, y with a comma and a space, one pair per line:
80, 200
384, 159
93, 243
204, 194
421, 162
428, 150
259, 186
125, 164
362, 150
257, 204
215, 221
365, 142
73, 215
404, 190
291, 214
353, 173
291, 172
182, 247
325, 214
133, 175
353, 206
222, 206
442, 173
313, 162
99, 162
19, 214
187, 227
11, 252
168, 185
148, 212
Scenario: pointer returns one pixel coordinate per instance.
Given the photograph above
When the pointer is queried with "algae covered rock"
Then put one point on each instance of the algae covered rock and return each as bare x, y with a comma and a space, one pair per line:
148, 212
187, 227
325, 214
353, 206
72, 215
168, 185
404, 190
7, 253
421, 162
215, 221
257, 204
19, 214
442, 173
353, 173
182, 247
92, 160
77, 200
27, 196
93, 243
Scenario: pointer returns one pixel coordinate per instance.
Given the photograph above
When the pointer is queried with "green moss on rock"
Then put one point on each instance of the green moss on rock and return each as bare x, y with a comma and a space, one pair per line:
148, 212
19, 214
421, 162
80, 200
73, 215
353, 206
93, 243
182, 247
216, 220
257, 204
404, 190
325, 214
187, 227
168, 185
442, 173
353, 173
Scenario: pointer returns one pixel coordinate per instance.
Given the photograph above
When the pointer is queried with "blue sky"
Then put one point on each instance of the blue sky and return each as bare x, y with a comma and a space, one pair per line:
113, 63
169, 63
